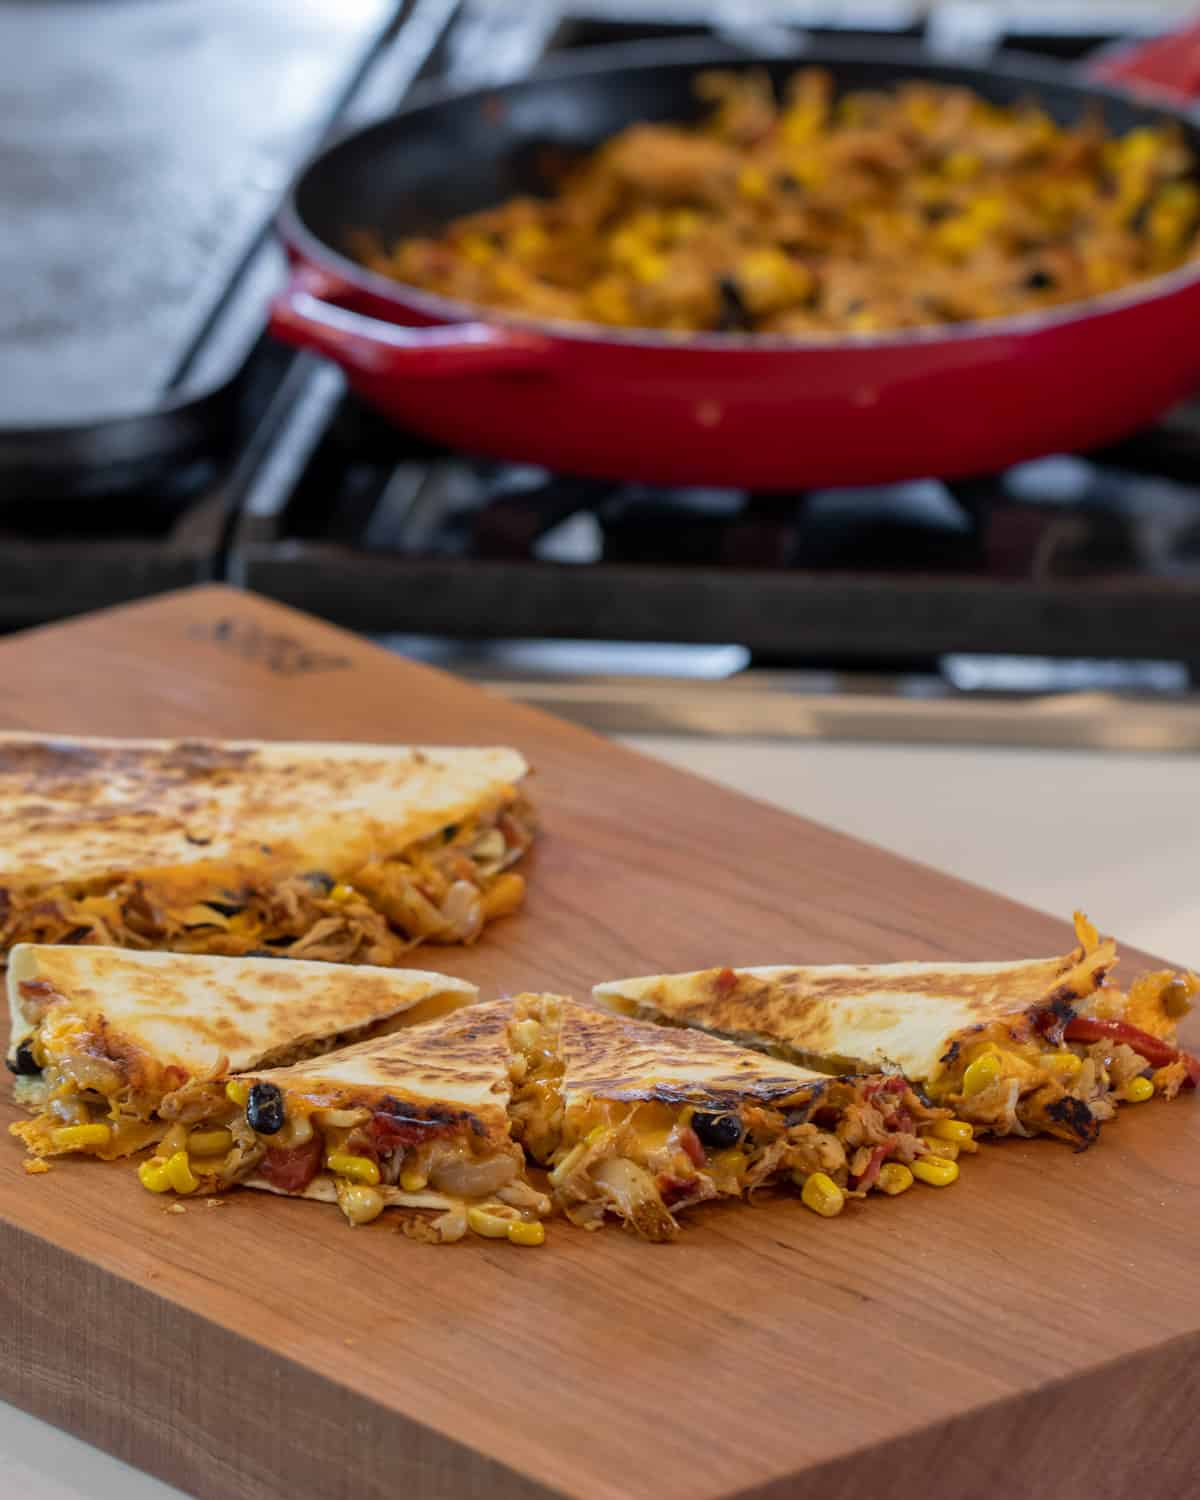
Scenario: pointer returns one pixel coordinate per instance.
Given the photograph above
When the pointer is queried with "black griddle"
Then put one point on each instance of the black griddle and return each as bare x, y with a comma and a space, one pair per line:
144, 147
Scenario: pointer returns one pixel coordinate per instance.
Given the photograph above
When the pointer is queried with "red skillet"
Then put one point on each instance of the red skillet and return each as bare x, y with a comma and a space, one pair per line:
729, 410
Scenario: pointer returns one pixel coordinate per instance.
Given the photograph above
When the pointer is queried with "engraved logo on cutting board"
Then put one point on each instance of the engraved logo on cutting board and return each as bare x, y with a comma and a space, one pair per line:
279, 653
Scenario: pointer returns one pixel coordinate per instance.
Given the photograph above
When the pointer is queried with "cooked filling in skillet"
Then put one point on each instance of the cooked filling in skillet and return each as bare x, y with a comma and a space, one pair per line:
441, 889
816, 215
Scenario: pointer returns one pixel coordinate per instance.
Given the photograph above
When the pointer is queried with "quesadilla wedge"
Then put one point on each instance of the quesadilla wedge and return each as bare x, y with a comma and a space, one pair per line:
1031, 1047
111, 1049
347, 853
640, 1121
417, 1120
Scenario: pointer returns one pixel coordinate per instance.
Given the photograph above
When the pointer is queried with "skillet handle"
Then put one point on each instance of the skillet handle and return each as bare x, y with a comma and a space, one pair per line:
300, 315
1167, 64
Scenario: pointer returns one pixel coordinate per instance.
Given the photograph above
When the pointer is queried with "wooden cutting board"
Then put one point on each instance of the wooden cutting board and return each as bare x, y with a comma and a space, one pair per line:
1032, 1330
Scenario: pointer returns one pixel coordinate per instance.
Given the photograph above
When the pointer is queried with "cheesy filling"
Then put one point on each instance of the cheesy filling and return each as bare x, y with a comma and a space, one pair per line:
85, 1099
1009, 1079
536, 1075
642, 1161
367, 1152
441, 889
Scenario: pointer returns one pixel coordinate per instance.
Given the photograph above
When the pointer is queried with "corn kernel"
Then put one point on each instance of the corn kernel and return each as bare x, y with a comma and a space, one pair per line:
935, 1170
210, 1142
342, 893
360, 1202
153, 1177
493, 1220
894, 1178
1138, 1090
80, 1137
476, 248
649, 268
525, 1232
528, 242
822, 1195
953, 1130
961, 166
753, 184
948, 1150
981, 1074
237, 1092
413, 1181
356, 1168
179, 1173
959, 236
1067, 1065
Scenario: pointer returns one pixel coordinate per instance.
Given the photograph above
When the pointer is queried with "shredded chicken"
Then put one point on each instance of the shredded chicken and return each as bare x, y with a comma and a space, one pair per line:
810, 215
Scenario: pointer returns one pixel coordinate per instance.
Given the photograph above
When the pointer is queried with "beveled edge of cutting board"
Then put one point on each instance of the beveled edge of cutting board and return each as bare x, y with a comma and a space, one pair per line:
230, 1441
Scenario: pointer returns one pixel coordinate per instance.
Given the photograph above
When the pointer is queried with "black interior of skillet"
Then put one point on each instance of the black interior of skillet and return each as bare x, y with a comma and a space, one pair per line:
452, 154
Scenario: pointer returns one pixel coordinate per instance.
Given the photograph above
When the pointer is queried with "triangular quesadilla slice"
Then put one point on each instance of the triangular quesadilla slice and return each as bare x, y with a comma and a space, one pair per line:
417, 1119
110, 1048
641, 1121
345, 853
1030, 1047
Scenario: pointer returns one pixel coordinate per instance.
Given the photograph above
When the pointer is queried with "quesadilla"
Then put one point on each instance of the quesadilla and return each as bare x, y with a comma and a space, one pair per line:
416, 1120
1040, 1046
111, 1049
641, 1122
347, 853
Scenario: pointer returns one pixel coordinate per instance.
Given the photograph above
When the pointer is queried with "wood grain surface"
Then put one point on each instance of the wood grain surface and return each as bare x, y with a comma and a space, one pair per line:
1032, 1330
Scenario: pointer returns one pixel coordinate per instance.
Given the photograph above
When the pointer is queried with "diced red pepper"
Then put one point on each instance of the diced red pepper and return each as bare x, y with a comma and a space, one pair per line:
1156, 1052
893, 1083
291, 1169
870, 1177
675, 1189
690, 1142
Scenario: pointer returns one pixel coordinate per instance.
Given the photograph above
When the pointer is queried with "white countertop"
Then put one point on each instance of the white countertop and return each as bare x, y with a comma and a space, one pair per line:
1115, 834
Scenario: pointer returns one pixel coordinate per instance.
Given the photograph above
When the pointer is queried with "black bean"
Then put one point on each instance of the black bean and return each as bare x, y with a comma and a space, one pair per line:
264, 1109
1141, 216
24, 1062
320, 881
1039, 280
717, 1131
734, 316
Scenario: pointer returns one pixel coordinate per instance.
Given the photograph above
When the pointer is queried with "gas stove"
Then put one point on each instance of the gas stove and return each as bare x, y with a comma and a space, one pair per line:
249, 463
